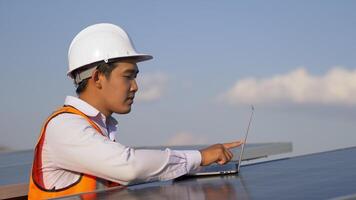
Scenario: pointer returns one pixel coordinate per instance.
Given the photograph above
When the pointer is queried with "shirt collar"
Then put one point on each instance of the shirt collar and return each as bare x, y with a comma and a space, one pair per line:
87, 109
81, 105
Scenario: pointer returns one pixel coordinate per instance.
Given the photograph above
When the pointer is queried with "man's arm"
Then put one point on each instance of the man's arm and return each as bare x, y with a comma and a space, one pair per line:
75, 145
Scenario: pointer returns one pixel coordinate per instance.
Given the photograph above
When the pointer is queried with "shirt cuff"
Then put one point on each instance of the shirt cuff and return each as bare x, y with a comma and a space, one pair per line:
193, 159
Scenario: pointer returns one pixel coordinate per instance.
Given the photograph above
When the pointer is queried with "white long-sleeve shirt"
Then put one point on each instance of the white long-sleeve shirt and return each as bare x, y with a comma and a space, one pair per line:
72, 146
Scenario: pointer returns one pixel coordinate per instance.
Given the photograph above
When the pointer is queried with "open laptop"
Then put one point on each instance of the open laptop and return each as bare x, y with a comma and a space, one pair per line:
228, 168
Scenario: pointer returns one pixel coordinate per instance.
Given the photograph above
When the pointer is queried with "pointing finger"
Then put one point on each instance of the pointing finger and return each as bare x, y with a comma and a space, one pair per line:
233, 144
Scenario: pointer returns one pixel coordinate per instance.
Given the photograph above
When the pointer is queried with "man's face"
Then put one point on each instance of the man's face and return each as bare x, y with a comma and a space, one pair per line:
118, 91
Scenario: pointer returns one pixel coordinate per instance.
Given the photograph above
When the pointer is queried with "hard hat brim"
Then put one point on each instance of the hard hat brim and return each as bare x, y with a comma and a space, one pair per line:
137, 58
140, 57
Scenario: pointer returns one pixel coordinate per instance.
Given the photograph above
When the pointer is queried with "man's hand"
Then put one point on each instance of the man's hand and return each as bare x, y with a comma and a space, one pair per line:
218, 153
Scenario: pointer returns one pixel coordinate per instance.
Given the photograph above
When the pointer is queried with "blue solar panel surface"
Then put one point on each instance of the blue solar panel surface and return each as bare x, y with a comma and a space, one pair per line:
317, 176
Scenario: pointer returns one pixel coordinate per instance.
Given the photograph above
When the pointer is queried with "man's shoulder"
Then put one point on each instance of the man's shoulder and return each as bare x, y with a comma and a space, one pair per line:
66, 118
66, 122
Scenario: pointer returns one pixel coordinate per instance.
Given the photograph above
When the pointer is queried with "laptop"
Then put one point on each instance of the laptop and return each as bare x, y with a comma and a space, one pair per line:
228, 168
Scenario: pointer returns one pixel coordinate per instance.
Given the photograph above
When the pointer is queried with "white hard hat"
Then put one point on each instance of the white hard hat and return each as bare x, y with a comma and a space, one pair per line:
101, 42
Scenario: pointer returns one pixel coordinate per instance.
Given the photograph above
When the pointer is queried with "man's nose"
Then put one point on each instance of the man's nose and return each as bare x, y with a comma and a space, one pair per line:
134, 86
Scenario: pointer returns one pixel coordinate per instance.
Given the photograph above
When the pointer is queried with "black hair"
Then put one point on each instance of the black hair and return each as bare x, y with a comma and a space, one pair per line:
81, 86
103, 68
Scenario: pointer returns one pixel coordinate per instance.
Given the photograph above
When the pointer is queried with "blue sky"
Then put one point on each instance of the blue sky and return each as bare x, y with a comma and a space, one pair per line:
202, 50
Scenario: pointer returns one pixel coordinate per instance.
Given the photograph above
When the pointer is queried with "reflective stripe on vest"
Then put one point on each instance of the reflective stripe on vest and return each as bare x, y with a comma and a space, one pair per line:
86, 183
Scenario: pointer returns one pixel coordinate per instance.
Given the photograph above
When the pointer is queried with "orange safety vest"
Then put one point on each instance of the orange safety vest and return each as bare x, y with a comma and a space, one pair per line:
86, 183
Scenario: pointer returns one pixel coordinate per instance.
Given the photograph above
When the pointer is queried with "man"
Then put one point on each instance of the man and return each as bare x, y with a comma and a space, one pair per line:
77, 151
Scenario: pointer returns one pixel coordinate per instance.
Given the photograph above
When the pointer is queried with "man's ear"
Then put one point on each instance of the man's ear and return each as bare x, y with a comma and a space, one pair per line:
96, 76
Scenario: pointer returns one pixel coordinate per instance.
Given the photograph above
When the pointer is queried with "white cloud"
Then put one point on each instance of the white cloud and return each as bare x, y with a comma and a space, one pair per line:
151, 86
337, 86
185, 138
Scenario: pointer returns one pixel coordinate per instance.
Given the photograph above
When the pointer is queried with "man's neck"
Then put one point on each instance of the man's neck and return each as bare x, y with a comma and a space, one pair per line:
93, 101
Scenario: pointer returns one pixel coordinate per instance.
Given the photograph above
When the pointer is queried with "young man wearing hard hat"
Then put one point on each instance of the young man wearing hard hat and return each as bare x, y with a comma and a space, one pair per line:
77, 152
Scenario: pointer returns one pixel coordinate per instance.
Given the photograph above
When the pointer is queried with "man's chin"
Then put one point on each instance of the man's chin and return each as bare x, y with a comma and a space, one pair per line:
126, 112
123, 111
